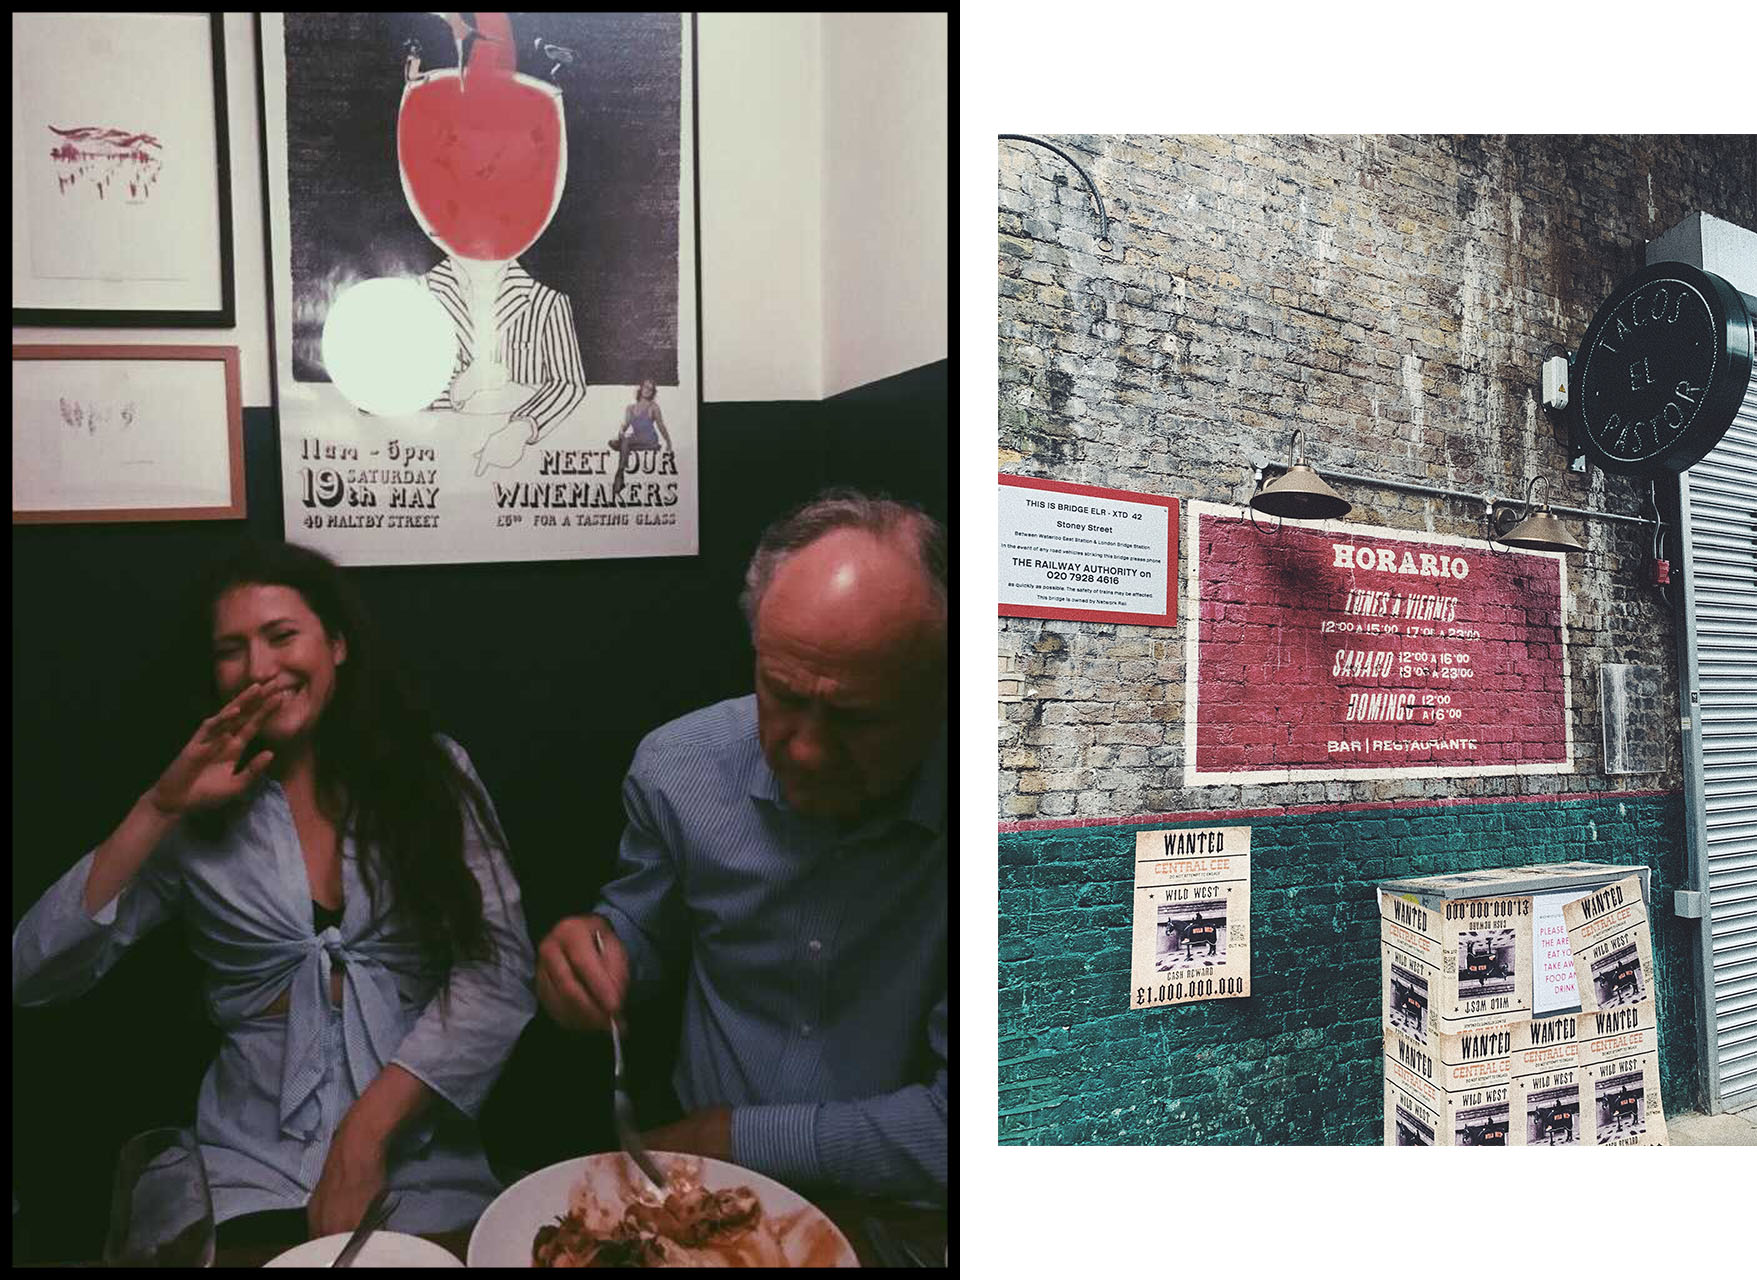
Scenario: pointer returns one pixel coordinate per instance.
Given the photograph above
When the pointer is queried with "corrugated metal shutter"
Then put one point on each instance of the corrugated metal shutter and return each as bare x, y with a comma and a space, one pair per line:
1722, 541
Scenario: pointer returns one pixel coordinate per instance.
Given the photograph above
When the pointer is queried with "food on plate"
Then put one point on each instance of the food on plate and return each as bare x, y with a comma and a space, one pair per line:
691, 1226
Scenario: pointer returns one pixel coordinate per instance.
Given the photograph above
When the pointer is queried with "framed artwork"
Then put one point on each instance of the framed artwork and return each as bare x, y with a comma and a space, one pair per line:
483, 243
123, 433
121, 184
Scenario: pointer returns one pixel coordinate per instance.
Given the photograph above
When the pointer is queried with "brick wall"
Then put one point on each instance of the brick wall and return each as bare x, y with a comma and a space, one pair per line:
1395, 298
1298, 1061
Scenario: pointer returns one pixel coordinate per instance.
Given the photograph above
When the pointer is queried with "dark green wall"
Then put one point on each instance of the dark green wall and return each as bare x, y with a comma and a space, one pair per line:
1298, 1061
548, 673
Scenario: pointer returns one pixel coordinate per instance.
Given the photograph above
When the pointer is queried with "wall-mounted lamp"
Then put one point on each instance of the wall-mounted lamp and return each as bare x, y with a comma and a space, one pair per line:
1301, 493
1539, 530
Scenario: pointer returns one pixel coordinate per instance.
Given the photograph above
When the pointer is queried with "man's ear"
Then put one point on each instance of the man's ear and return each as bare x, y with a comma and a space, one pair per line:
338, 650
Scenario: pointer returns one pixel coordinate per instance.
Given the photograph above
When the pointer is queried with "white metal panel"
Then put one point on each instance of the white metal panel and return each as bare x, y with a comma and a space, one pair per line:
1722, 572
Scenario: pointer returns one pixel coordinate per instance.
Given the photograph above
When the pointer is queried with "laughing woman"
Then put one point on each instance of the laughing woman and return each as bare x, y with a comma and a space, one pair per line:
343, 881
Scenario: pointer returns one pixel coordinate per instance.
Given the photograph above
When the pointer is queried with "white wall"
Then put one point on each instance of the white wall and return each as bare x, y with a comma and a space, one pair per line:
809, 286
886, 194
761, 163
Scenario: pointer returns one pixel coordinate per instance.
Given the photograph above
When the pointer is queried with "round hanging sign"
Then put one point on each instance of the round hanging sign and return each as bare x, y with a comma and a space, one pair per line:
1663, 369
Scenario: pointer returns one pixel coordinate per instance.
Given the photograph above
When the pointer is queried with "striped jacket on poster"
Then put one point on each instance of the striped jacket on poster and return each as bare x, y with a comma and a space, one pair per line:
538, 343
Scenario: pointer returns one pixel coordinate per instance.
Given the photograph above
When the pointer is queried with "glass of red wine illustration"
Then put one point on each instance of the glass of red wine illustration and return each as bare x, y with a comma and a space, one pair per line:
483, 159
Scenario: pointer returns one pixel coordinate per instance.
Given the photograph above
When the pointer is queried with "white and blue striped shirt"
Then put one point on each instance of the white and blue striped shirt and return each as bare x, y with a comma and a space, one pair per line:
815, 998
269, 1105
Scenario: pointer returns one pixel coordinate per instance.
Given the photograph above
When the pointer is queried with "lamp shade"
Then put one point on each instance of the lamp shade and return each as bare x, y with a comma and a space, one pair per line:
1301, 494
1541, 531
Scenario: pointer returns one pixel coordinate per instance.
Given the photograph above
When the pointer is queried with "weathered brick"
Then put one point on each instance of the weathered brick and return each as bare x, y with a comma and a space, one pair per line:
1384, 294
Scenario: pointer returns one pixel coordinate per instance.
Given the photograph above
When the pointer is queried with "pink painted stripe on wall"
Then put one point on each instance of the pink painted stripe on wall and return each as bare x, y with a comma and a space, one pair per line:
1340, 806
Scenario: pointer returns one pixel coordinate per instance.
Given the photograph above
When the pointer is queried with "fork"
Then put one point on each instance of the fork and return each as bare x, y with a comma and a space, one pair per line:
892, 1249
627, 1132
377, 1213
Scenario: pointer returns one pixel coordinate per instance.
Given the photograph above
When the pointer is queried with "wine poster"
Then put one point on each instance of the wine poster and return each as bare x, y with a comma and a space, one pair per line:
483, 235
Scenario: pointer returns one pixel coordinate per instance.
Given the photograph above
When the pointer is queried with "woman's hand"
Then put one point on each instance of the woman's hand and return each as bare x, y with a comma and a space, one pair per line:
205, 773
353, 1172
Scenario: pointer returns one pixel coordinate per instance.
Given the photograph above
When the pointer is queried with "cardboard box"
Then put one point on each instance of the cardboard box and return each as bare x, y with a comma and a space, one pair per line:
1619, 1060
1496, 938
1478, 951
1549, 1100
1484, 975
1453, 1092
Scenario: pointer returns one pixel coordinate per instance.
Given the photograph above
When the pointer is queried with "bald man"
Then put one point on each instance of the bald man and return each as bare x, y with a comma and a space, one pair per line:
797, 839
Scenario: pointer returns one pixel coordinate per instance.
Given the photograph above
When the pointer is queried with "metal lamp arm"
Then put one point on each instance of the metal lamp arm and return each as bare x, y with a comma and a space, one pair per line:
1103, 221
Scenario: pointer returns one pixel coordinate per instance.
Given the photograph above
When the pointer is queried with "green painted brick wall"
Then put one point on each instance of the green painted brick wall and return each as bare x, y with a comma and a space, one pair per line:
1298, 1061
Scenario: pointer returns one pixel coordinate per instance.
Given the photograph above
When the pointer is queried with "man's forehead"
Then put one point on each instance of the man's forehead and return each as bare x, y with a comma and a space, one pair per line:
854, 680
850, 590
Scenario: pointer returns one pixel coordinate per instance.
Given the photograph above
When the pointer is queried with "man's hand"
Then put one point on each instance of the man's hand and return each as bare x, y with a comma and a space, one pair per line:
700, 1133
581, 989
353, 1173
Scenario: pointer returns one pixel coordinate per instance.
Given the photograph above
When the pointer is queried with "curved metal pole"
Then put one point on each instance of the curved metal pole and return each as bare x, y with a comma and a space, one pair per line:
1103, 222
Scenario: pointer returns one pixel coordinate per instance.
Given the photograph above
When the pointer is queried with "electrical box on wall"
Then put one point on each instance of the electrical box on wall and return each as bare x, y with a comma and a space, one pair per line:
1556, 376
1555, 383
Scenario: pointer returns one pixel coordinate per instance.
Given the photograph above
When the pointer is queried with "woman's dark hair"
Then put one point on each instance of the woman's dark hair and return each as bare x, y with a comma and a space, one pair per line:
382, 775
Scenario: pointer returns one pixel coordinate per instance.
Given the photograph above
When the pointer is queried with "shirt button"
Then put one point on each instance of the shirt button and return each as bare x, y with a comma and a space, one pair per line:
814, 946
805, 1029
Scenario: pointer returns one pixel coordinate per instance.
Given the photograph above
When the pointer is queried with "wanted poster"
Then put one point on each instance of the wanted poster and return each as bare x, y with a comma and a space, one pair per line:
1192, 923
1619, 1058
1459, 1085
1409, 983
1613, 951
1410, 1120
1480, 947
1547, 1099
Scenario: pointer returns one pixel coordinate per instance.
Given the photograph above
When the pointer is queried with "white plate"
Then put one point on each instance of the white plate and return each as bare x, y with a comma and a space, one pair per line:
383, 1249
504, 1234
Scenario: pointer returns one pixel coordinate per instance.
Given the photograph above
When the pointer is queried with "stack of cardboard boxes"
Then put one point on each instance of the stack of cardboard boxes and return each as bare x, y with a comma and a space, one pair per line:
1518, 1008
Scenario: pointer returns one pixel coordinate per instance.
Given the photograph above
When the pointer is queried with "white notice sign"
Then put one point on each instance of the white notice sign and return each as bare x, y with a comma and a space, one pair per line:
1084, 553
1553, 985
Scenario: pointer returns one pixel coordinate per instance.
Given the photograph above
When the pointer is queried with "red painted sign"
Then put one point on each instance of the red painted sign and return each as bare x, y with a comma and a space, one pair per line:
1336, 650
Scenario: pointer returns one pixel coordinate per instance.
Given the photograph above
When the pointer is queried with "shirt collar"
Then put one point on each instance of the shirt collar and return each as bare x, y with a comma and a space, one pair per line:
515, 279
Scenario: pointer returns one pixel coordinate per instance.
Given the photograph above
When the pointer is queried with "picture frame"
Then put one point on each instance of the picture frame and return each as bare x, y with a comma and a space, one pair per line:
121, 193
126, 433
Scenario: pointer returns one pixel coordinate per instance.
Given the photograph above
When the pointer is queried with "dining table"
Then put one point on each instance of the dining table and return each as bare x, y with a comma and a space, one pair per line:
925, 1230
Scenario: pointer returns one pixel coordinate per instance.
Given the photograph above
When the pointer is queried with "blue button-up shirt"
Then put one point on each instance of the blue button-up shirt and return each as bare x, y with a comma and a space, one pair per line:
815, 1000
269, 1104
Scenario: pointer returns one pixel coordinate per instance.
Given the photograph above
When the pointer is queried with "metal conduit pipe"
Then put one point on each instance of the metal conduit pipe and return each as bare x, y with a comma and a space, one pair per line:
1487, 500
1103, 221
